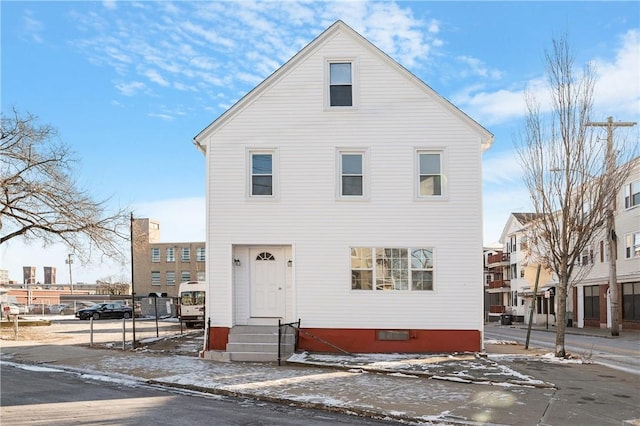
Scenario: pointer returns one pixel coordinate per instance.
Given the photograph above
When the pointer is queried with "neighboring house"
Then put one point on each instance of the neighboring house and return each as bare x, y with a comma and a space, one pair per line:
159, 268
497, 289
513, 291
345, 193
591, 301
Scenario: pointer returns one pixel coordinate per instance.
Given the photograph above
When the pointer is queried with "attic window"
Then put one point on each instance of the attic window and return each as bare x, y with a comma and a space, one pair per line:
340, 84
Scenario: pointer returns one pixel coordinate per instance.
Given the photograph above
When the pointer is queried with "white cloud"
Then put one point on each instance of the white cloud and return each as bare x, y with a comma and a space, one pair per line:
155, 77
130, 89
32, 27
617, 91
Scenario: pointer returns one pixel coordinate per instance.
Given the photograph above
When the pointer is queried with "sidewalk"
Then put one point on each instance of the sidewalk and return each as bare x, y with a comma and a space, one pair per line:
505, 386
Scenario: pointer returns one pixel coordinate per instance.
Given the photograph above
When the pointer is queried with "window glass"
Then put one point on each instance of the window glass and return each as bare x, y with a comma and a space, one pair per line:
261, 174
361, 268
340, 85
352, 174
185, 276
200, 254
171, 277
155, 277
632, 245
632, 194
391, 269
185, 254
155, 254
430, 182
171, 254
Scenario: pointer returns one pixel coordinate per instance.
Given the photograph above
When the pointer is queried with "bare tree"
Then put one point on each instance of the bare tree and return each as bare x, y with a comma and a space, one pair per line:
41, 201
565, 170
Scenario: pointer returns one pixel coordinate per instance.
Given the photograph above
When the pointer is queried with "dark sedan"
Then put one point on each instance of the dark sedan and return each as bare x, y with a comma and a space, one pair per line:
105, 310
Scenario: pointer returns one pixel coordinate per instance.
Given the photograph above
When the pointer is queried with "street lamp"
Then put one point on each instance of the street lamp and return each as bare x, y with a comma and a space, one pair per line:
69, 261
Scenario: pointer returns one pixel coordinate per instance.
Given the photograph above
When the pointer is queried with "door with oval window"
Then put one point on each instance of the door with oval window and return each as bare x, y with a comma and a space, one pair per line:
267, 282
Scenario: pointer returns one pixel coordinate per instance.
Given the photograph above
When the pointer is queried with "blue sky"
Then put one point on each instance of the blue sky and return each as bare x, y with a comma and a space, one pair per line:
129, 84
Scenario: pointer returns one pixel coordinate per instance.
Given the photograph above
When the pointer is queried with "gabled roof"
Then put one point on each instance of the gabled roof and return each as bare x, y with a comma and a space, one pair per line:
521, 220
486, 137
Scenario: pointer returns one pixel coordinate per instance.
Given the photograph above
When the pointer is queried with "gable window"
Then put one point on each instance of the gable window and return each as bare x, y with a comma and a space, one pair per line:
340, 84
429, 173
391, 269
632, 194
155, 254
261, 174
351, 174
171, 254
632, 245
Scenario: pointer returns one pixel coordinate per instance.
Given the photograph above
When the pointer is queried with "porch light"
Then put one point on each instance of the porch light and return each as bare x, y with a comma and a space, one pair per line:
290, 263
236, 262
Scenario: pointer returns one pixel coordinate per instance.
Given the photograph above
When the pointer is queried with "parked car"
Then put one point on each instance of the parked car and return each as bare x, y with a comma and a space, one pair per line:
55, 309
22, 308
105, 310
39, 309
73, 307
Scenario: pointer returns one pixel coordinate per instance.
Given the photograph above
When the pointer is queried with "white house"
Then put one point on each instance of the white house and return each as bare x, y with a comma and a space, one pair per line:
592, 296
344, 192
515, 290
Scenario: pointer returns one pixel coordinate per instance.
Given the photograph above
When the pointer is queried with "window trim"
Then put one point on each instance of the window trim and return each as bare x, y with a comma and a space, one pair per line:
443, 173
365, 173
275, 180
354, 84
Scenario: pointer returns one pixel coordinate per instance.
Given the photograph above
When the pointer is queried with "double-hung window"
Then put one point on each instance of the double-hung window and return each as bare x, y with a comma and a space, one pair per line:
200, 254
171, 254
185, 254
632, 245
632, 194
429, 168
155, 254
340, 84
352, 178
261, 174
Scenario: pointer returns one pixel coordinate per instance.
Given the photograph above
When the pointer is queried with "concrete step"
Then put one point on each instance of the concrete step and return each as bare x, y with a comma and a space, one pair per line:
253, 357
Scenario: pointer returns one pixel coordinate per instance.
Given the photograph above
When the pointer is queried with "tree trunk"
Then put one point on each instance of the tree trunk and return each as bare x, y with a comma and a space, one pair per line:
561, 319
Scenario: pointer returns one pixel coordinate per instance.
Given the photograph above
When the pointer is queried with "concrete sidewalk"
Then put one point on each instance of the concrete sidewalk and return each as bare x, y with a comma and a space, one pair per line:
513, 387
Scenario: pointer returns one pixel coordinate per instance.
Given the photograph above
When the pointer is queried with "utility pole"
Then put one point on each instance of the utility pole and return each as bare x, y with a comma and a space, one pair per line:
611, 227
69, 261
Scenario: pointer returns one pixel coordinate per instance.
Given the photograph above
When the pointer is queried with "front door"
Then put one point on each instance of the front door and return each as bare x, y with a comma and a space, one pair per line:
267, 282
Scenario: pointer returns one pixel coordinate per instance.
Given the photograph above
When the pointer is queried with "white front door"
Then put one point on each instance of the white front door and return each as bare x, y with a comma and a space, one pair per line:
267, 282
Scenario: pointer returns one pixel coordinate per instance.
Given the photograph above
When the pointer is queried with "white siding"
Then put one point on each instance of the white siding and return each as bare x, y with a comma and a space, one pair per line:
394, 117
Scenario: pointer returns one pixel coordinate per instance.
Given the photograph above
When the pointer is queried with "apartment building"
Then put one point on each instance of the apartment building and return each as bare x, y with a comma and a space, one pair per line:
159, 267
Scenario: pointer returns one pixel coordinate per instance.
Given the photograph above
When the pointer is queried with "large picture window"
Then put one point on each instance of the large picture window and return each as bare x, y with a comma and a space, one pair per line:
429, 174
340, 84
392, 269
